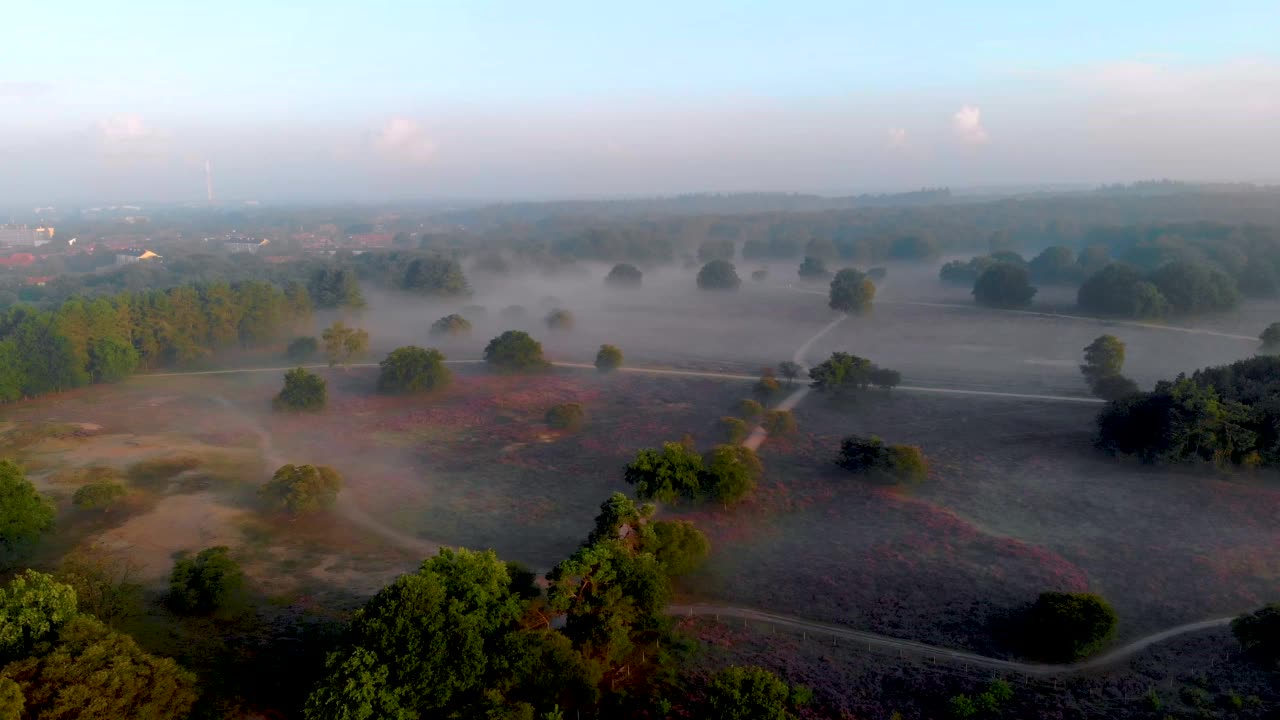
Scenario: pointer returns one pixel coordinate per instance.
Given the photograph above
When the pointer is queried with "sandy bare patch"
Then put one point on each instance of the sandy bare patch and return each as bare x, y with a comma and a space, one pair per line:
177, 523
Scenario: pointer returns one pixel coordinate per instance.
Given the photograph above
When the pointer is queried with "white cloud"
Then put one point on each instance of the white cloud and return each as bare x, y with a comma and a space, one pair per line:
402, 139
967, 123
898, 138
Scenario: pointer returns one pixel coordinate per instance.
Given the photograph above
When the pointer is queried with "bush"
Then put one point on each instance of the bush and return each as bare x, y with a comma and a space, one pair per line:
608, 358
568, 416
780, 423
851, 292
749, 693
514, 350
160, 470
413, 369
679, 545
624, 275
1065, 627
750, 410
453, 325
559, 319
889, 464
735, 430
208, 582
25, 514
99, 495
299, 489
302, 349
1004, 285
731, 473
718, 275
766, 388
1259, 634
813, 268
303, 391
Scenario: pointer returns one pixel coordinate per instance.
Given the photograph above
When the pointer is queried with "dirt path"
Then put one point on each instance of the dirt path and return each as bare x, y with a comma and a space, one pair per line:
919, 649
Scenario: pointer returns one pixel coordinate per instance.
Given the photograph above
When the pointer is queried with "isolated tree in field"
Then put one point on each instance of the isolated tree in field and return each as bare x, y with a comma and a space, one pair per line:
718, 275
1258, 633
301, 489
891, 464
735, 429
1065, 627
343, 344
841, 373
514, 350
303, 391
412, 369
209, 581
25, 514
812, 268
1103, 361
92, 671
1004, 285
608, 358
851, 292
751, 693
32, 606
1056, 264
779, 423
624, 275
1270, 339
789, 370
452, 325
667, 474
99, 495
566, 416
730, 474
559, 319
302, 349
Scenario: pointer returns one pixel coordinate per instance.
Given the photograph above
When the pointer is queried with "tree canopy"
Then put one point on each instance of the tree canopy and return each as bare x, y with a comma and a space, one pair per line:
1119, 290
888, 464
566, 416
1103, 361
303, 391
335, 287
608, 358
751, 693
559, 319
25, 514
32, 606
412, 369
514, 350
1054, 265
851, 292
677, 472
1004, 285
211, 580
343, 344
299, 489
843, 373
1065, 627
454, 324
718, 275
624, 275
1259, 634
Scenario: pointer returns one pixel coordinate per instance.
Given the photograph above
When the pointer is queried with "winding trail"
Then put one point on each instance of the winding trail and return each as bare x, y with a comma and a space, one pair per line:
919, 649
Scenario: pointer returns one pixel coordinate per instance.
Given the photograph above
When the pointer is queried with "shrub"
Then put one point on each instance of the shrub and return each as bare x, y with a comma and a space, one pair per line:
888, 464
765, 388
559, 319
303, 391
514, 350
718, 275
302, 349
735, 430
884, 378
1004, 285
624, 275
679, 545
731, 473
567, 416
299, 489
608, 358
1065, 627
25, 514
750, 410
453, 325
210, 581
99, 495
413, 369
780, 423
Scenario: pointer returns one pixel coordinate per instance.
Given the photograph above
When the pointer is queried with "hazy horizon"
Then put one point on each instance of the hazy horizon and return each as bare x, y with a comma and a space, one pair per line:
498, 101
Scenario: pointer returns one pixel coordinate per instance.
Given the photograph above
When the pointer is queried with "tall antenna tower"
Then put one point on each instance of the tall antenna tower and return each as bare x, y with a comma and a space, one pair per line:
208, 182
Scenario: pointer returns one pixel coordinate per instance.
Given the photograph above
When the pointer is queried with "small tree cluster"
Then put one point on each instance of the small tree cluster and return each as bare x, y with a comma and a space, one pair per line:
300, 489
779, 423
889, 464
790, 370
851, 292
514, 351
451, 325
752, 693
1103, 361
1004, 285
845, 373
208, 582
767, 387
676, 471
608, 358
303, 391
412, 369
566, 416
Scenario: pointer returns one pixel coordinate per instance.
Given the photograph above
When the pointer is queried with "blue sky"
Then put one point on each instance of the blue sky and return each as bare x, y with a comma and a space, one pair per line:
514, 99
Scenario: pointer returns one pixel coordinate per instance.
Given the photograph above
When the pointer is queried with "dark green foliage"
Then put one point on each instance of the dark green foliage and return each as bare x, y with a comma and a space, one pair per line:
208, 582
779, 423
966, 274
851, 292
1103, 361
514, 350
1118, 290
1114, 387
843, 373
25, 514
1259, 634
730, 475
766, 388
454, 325
914, 247
335, 287
888, 464
718, 275
1270, 339
624, 275
299, 489
433, 274
714, 249
1093, 258
302, 349
997, 695
103, 583
94, 672
749, 693
303, 391
559, 319
412, 369
1008, 256
884, 378
99, 495
1186, 421
1065, 627
735, 430
677, 545
343, 344
111, 360
608, 358
961, 707
1056, 264
567, 416
32, 606
812, 268
667, 475
1004, 285
1192, 287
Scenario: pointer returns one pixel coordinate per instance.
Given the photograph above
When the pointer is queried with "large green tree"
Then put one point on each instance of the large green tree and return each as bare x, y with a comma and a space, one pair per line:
750, 693
1192, 287
209, 581
302, 488
514, 350
1004, 285
730, 474
335, 287
32, 606
1055, 264
25, 514
843, 373
412, 369
718, 275
667, 474
303, 391
851, 292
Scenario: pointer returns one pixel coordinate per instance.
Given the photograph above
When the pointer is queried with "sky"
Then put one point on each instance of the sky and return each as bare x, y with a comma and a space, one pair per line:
375, 101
